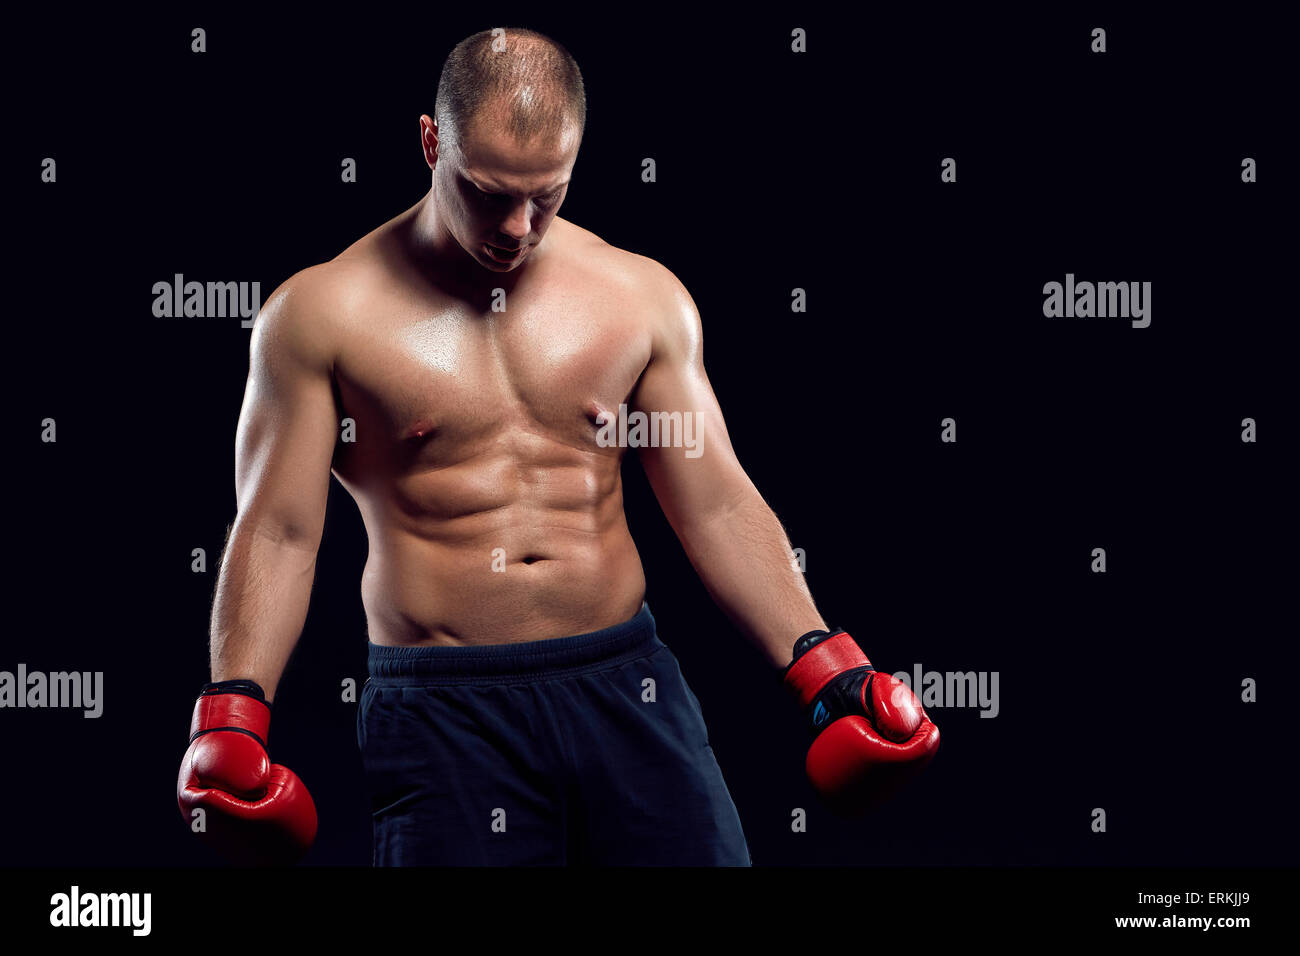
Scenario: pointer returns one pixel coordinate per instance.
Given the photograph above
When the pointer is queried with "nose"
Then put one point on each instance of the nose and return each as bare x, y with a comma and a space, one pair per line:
518, 224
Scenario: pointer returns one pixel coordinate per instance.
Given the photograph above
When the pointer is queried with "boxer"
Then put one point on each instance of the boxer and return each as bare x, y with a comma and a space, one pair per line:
520, 707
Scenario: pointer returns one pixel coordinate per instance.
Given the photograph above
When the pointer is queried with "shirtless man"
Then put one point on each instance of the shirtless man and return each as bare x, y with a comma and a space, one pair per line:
520, 706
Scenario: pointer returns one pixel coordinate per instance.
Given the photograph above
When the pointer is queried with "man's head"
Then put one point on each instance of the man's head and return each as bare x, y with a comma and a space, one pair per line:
508, 120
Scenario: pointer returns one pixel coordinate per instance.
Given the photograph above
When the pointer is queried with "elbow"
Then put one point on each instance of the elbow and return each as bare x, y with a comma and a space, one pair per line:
282, 530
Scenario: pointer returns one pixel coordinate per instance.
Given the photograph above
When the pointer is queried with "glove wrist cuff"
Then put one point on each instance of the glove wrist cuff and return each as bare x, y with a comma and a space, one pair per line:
237, 705
819, 661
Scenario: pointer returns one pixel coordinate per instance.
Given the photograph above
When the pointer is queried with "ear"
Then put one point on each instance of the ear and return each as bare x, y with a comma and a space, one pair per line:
429, 139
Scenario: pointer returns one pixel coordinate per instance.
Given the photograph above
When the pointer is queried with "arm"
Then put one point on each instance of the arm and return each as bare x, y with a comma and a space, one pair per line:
284, 444
870, 733
732, 538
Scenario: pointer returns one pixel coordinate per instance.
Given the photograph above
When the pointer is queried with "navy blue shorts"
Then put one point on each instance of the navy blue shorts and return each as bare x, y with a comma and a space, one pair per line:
583, 750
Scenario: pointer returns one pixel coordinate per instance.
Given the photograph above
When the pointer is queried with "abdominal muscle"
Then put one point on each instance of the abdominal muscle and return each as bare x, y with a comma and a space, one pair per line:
494, 550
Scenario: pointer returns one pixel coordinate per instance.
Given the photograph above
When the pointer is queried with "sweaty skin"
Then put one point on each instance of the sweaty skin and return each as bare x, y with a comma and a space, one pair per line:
493, 515
476, 442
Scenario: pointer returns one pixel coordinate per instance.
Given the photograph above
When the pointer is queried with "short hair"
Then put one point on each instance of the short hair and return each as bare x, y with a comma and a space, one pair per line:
532, 85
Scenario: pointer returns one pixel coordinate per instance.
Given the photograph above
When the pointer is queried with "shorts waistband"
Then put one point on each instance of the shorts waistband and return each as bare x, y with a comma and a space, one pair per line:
530, 660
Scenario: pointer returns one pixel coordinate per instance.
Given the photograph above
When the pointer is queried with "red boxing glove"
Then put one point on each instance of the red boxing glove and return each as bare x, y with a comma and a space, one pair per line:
257, 813
872, 734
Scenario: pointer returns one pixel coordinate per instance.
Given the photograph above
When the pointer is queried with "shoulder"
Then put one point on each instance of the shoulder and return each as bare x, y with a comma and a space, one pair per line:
321, 298
641, 273
302, 320
667, 304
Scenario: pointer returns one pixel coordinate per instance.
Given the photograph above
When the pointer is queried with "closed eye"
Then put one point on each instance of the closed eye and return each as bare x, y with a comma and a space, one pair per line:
488, 197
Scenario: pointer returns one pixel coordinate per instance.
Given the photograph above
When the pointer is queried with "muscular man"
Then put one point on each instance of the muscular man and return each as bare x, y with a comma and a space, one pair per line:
521, 707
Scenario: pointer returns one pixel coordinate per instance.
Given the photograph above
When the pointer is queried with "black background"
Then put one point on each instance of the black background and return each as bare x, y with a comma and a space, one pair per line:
1119, 691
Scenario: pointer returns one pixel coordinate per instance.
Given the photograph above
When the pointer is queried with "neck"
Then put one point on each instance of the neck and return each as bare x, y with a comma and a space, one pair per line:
430, 239
438, 252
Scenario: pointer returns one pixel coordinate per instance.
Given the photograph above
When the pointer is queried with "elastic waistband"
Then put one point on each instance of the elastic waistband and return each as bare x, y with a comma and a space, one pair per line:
528, 660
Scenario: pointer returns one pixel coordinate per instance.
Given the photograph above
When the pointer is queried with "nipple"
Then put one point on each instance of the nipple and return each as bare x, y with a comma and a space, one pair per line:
420, 429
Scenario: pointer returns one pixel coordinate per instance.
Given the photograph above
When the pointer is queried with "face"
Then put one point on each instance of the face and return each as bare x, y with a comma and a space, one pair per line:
496, 196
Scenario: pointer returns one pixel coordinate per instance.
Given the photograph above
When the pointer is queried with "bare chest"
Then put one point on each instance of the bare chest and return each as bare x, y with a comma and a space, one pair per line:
431, 383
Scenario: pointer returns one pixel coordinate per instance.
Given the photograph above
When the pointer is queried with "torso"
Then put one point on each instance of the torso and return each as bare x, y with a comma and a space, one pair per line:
493, 515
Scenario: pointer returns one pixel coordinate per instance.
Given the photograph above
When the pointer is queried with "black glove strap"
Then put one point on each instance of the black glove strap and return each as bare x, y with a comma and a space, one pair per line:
227, 730
844, 696
248, 688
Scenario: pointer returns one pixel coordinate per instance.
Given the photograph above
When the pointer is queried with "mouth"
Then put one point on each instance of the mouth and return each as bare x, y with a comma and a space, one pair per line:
497, 254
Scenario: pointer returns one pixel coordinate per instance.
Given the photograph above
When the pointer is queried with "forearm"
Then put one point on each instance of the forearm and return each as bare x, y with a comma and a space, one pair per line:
745, 561
263, 592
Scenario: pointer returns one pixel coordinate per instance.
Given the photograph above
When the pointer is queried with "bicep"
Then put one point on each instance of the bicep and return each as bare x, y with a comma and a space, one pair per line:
287, 426
690, 484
